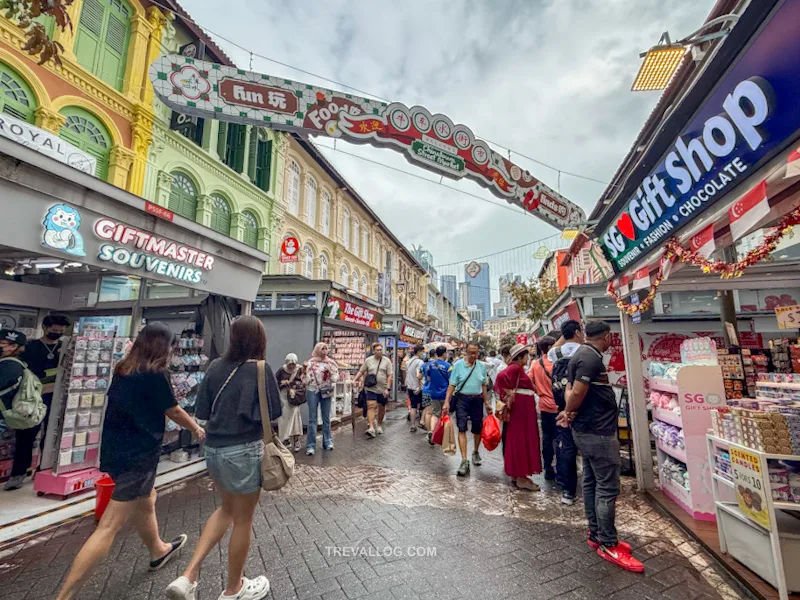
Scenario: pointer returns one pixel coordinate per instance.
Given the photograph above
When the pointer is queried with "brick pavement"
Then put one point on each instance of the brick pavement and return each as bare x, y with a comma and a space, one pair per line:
359, 522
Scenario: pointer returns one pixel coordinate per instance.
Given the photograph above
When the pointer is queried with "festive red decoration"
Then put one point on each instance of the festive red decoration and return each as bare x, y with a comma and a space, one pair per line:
674, 251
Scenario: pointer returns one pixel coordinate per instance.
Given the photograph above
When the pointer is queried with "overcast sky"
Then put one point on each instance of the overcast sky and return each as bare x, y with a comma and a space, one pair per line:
547, 78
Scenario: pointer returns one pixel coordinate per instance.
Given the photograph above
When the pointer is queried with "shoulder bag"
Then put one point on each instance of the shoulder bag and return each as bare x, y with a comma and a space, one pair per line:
323, 392
277, 464
371, 380
219, 392
295, 395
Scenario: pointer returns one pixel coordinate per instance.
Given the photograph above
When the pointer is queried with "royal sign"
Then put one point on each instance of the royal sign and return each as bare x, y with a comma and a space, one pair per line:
46, 143
431, 141
751, 116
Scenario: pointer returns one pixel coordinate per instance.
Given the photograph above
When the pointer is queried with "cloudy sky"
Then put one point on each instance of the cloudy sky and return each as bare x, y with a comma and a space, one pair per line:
547, 78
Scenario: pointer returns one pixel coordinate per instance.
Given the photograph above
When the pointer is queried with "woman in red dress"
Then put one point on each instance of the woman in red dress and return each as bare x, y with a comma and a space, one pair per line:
522, 453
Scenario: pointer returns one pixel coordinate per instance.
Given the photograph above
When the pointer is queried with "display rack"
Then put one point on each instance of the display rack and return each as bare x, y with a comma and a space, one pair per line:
186, 373
759, 534
700, 389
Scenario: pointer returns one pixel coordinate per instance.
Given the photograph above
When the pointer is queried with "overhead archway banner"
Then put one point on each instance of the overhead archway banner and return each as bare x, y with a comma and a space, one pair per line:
430, 141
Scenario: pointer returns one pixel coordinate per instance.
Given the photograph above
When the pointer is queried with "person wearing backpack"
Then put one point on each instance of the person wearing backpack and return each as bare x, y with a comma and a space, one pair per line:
566, 451
541, 373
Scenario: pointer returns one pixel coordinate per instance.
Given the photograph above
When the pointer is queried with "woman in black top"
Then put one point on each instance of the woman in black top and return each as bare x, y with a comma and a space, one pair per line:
139, 397
228, 399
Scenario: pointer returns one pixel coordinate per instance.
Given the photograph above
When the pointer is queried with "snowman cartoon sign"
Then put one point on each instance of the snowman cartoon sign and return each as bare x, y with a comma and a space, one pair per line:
289, 250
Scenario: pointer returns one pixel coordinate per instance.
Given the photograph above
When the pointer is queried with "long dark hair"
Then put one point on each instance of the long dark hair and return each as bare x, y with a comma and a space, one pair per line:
150, 352
248, 340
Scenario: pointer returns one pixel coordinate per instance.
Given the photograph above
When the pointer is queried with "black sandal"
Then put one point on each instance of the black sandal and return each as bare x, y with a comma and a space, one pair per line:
177, 544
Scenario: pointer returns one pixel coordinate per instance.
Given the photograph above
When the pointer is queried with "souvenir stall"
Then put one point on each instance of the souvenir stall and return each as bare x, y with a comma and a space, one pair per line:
715, 225
95, 253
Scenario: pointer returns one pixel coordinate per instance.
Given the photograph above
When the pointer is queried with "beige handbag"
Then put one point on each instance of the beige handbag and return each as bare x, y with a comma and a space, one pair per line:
449, 439
277, 464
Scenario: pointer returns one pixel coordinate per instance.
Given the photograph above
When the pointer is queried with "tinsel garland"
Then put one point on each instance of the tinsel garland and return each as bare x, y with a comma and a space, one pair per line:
673, 251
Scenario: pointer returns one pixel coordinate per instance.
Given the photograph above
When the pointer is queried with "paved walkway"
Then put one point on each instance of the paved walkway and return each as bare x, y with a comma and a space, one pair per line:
388, 519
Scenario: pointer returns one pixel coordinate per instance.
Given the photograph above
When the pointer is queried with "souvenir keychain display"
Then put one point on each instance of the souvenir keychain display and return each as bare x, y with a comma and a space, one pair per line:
186, 372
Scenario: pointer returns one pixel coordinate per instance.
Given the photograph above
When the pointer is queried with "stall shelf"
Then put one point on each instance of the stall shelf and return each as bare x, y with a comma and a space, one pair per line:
754, 529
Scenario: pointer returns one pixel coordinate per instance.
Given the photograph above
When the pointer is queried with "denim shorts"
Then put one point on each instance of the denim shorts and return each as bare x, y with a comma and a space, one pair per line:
236, 468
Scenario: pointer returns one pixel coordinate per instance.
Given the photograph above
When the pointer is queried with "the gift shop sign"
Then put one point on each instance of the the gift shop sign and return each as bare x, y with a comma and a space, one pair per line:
338, 309
411, 334
750, 117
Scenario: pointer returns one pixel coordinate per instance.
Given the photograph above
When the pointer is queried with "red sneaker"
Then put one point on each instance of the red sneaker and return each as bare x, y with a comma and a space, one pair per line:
594, 545
620, 557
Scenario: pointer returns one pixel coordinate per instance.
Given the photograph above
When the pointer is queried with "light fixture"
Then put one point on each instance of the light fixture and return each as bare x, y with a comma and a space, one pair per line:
60, 268
9, 271
19, 270
33, 269
661, 62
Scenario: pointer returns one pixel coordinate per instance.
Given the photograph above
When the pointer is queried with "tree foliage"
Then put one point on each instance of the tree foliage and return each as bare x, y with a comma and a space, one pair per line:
485, 342
534, 298
24, 12
507, 338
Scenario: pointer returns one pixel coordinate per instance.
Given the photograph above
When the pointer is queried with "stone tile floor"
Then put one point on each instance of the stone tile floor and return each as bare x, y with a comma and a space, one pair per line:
388, 519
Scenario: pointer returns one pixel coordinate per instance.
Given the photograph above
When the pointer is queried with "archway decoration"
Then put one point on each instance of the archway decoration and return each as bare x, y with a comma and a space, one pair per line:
430, 141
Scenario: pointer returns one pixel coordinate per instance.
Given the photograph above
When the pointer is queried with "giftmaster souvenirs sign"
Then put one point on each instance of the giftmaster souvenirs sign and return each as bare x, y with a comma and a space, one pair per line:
430, 141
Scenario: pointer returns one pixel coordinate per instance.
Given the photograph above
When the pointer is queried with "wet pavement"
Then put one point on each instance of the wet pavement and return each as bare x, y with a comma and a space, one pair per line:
387, 519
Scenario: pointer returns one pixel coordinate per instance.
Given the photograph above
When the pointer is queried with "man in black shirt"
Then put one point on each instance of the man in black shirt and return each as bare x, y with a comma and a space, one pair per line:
41, 356
592, 412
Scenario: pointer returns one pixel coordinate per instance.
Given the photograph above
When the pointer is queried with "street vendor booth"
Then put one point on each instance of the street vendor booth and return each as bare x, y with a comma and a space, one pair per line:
704, 212
110, 261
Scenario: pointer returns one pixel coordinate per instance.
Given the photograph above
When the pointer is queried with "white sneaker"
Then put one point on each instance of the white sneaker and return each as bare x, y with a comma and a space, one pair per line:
182, 589
379, 430
252, 589
371, 432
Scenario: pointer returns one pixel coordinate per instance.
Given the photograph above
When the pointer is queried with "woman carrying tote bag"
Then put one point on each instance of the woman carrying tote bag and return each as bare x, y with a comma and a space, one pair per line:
229, 400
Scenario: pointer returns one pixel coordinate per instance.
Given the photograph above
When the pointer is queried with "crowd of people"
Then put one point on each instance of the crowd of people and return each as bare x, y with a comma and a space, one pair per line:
559, 388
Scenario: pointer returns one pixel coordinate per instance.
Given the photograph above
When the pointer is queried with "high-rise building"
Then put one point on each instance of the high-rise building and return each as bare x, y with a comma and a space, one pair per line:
449, 287
480, 289
464, 295
476, 317
505, 307
425, 258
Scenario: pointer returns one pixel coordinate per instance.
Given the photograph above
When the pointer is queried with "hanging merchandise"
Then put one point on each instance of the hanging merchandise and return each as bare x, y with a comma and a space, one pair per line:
186, 372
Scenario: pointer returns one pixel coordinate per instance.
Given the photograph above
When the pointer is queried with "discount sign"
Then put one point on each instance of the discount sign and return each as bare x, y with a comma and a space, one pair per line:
788, 317
749, 482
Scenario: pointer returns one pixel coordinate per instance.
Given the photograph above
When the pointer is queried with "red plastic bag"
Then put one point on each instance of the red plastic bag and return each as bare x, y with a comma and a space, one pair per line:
490, 433
438, 432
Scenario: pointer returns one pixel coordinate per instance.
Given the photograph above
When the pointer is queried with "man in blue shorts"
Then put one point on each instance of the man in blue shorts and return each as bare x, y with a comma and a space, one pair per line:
437, 378
468, 387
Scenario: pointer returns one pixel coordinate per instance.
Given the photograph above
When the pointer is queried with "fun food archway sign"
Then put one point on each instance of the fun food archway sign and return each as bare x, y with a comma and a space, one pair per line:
430, 141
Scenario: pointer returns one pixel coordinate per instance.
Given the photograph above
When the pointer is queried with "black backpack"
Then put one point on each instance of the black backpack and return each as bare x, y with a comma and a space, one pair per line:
560, 380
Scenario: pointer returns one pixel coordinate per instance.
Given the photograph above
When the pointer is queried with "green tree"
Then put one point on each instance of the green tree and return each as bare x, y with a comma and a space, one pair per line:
534, 298
485, 342
507, 338
26, 13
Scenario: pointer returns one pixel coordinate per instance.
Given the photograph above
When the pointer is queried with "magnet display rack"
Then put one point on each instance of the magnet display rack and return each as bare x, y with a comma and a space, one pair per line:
186, 372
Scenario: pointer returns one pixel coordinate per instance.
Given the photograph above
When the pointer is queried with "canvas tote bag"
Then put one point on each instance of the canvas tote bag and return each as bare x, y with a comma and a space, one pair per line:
277, 464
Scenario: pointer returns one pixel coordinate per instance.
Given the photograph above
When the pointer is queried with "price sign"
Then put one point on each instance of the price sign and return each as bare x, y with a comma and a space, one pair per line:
788, 317
749, 483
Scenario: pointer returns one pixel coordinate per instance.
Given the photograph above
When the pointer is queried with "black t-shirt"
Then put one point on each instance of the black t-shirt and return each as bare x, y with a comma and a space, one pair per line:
598, 412
10, 377
35, 356
134, 423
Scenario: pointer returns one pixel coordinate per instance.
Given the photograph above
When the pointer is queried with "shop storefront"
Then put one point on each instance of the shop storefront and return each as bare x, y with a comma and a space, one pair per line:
706, 239
398, 334
83, 248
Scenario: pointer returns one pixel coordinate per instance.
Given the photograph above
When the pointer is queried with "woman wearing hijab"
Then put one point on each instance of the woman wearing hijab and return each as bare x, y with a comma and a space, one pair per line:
293, 395
322, 373
521, 453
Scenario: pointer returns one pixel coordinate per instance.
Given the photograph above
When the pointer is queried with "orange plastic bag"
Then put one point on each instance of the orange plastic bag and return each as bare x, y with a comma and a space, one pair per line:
490, 433
438, 432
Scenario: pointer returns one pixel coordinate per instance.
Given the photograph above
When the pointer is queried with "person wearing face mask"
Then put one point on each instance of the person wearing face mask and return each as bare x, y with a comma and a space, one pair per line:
41, 356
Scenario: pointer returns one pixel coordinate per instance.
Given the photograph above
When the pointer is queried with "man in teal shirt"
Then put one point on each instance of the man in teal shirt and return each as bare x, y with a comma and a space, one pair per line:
468, 381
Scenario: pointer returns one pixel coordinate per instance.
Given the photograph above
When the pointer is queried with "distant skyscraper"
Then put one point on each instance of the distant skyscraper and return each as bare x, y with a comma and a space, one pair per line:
464, 293
480, 292
505, 307
425, 258
449, 288
476, 316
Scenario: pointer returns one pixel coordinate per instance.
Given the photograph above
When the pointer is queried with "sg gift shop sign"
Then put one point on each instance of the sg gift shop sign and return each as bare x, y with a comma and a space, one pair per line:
749, 482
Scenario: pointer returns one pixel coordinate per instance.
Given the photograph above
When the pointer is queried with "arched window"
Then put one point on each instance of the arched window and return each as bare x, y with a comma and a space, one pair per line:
364, 243
183, 196
311, 202
16, 97
356, 229
323, 266
308, 261
344, 276
90, 135
364, 288
220, 214
346, 228
289, 268
326, 212
293, 188
249, 229
101, 44
355, 280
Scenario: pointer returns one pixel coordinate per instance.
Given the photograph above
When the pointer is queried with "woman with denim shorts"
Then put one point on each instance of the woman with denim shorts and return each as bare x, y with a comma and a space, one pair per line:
228, 399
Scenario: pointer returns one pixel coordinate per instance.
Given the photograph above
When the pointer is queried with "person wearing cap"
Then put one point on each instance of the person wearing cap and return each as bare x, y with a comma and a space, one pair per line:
291, 386
12, 343
521, 455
